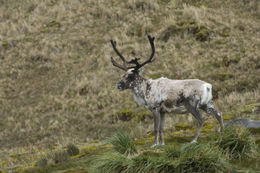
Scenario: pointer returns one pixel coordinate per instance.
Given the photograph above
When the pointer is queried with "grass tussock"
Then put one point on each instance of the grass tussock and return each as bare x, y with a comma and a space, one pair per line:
72, 149
52, 158
202, 158
112, 162
172, 152
150, 163
122, 143
188, 158
57, 156
238, 142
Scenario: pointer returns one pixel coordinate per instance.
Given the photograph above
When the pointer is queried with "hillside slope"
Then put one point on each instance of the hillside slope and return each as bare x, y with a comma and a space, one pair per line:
57, 83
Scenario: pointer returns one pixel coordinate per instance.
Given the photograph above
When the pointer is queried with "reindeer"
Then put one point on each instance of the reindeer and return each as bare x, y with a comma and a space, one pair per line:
164, 95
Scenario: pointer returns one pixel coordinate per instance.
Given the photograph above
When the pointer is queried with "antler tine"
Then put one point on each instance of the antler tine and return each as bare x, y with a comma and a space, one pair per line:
151, 59
113, 42
123, 67
133, 61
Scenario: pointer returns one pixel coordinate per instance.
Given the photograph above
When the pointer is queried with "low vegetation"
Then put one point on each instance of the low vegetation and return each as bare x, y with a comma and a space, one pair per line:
57, 156
72, 149
209, 156
237, 142
122, 143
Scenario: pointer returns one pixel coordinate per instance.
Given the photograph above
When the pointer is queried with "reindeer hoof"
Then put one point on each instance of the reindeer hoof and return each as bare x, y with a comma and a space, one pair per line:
154, 145
193, 141
220, 129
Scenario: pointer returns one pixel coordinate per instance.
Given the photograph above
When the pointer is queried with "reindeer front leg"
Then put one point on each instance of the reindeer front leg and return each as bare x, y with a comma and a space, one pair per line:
156, 119
162, 120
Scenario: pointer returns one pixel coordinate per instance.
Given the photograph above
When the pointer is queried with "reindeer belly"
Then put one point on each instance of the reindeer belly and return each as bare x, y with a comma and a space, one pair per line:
173, 106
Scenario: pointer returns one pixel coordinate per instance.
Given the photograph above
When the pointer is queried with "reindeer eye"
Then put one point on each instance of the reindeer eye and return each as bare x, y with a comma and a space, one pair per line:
130, 77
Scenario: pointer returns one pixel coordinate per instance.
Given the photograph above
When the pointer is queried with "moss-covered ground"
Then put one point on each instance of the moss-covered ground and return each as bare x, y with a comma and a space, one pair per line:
58, 160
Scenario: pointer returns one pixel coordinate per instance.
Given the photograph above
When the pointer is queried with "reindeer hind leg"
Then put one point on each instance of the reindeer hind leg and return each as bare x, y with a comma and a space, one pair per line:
195, 112
210, 109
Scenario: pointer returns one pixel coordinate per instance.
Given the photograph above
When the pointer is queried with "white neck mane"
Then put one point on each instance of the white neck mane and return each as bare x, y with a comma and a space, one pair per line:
139, 92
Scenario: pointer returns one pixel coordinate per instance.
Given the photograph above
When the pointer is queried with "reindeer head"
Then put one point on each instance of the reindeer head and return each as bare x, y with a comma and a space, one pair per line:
131, 67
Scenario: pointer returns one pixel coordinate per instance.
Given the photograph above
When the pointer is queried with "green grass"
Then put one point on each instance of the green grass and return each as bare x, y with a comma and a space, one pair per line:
122, 143
203, 157
72, 149
112, 162
237, 142
172, 152
216, 154
188, 158
176, 156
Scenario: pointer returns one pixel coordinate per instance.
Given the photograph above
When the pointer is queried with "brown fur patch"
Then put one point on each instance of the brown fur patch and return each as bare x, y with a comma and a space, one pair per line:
168, 103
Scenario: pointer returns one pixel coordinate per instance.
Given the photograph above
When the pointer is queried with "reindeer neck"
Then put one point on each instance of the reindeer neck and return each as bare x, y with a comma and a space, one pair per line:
140, 88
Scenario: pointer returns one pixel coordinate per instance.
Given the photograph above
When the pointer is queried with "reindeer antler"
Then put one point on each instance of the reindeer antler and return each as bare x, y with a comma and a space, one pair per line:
123, 67
133, 61
151, 59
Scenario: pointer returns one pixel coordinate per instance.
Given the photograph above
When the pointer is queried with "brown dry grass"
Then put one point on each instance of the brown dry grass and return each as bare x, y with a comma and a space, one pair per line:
57, 83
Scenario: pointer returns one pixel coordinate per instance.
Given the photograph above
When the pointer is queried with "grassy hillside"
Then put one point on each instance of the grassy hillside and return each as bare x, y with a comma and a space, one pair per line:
57, 84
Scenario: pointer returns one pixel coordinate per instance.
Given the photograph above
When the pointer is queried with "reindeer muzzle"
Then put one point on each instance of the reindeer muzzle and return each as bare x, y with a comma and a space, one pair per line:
120, 86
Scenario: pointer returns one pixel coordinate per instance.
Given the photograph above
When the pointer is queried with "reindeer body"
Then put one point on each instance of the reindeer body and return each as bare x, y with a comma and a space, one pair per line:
164, 95
168, 94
